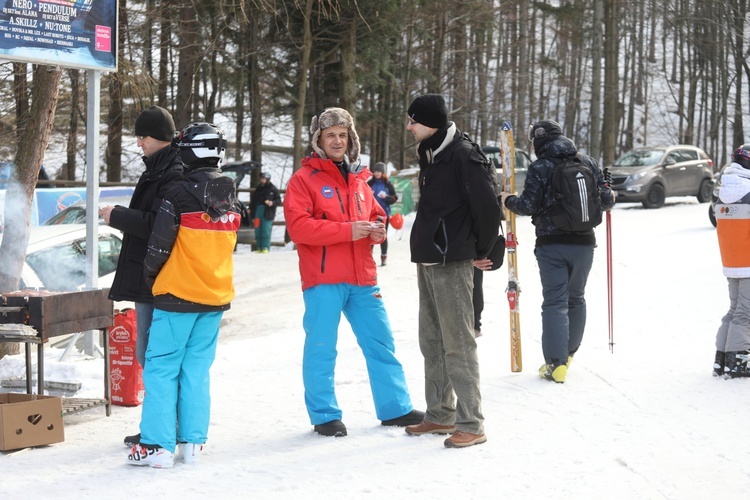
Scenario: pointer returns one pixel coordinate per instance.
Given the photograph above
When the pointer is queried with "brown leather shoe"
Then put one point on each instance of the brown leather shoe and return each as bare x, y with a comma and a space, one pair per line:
425, 427
462, 439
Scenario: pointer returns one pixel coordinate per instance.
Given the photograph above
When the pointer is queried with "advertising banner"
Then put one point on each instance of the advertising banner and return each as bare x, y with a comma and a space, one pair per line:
70, 33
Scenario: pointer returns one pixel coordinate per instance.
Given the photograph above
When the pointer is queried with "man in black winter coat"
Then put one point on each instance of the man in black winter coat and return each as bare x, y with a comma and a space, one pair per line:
154, 129
456, 226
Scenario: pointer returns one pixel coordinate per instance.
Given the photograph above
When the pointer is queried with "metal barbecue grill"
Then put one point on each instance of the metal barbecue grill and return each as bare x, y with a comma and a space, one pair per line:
34, 316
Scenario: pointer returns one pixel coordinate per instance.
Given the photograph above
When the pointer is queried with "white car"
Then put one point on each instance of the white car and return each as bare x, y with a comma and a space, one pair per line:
76, 213
56, 257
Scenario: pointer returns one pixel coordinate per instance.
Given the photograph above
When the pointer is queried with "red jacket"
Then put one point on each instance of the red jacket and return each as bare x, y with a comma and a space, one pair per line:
319, 207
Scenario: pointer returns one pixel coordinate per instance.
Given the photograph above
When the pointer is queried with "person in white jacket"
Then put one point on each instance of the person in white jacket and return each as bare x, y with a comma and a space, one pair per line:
733, 230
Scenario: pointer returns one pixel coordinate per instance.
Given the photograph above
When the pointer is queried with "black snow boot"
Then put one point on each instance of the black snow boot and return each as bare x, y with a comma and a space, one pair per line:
719, 364
335, 428
412, 418
736, 364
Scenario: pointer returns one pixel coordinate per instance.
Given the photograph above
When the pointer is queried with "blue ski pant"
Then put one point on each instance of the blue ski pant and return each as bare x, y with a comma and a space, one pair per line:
564, 270
364, 309
181, 349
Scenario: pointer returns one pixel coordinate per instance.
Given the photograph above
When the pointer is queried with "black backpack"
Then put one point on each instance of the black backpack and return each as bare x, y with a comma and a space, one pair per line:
577, 206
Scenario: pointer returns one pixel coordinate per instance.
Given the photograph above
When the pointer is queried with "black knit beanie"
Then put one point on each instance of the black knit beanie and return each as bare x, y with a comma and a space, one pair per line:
379, 167
429, 110
155, 122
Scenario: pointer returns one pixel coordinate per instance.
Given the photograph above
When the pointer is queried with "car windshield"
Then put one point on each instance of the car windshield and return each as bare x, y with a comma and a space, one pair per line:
640, 158
71, 215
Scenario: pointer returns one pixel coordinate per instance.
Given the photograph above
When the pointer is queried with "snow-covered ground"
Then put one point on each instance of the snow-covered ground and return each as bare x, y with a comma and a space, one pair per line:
647, 421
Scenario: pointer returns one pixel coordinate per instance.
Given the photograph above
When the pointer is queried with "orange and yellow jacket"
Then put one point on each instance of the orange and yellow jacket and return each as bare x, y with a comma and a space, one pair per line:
189, 259
733, 221
319, 207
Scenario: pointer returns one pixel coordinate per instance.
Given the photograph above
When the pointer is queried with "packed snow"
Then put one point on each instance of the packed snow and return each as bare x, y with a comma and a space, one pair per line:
644, 421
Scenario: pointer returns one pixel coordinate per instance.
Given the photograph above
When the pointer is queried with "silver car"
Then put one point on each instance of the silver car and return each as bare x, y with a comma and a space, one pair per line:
651, 174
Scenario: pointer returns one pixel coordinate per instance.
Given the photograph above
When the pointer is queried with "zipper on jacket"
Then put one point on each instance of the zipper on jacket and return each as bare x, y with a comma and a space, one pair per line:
323, 255
359, 205
341, 202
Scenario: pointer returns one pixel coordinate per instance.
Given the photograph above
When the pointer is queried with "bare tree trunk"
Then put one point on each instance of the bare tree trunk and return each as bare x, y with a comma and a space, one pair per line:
186, 66
304, 68
20, 74
611, 80
256, 111
164, 39
113, 151
20, 190
69, 172
595, 140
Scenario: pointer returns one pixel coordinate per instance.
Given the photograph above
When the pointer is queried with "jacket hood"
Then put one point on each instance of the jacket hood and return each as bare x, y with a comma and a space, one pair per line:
735, 183
557, 148
216, 193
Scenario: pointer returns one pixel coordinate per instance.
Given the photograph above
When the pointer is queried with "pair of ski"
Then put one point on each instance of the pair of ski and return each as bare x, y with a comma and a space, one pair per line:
513, 291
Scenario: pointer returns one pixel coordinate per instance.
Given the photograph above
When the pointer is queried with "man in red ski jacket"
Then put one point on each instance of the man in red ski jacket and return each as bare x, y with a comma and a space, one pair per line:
334, 219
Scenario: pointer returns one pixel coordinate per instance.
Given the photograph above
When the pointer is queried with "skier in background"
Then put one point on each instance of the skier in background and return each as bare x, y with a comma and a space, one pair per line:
262, 208
385, 195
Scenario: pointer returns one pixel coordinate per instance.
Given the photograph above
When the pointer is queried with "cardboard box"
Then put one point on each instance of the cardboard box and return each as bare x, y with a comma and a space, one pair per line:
30, 420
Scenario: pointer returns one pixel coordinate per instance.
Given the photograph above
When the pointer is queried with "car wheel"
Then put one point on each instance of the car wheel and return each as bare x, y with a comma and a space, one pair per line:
704, 193
712, 214
654, 197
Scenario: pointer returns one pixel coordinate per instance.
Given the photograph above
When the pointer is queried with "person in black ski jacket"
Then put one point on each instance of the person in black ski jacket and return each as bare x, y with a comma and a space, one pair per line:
456, 224
154, 129
189, 266
262, 209
564, 258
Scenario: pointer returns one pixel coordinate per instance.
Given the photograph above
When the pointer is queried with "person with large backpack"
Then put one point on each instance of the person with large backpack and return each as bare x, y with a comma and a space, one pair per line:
565, 194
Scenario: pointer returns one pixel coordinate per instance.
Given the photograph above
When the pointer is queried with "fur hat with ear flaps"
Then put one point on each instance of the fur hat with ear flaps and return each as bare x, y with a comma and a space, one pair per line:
330, 117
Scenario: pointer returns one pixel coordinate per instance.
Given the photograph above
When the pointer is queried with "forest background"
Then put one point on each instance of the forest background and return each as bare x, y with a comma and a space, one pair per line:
615, 74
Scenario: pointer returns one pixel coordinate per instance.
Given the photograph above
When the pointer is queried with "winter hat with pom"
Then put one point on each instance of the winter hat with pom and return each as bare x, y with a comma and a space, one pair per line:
544, 131
331, 117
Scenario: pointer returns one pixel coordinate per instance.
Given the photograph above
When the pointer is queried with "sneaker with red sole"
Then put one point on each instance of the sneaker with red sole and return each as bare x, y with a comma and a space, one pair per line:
462, 439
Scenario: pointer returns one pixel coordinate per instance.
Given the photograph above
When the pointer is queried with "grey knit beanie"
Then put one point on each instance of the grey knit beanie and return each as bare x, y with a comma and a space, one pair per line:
331, 117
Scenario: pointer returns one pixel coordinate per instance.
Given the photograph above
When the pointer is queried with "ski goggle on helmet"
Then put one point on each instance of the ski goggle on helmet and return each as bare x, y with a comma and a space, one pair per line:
201, 143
